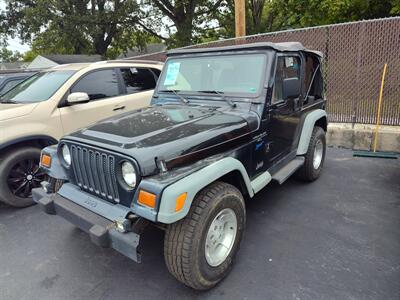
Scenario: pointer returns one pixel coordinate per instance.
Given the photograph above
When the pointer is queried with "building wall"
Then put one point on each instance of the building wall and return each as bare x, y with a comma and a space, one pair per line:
13, 66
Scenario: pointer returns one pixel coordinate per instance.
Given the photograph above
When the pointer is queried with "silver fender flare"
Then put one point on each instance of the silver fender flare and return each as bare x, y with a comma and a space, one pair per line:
307, 129
193, 183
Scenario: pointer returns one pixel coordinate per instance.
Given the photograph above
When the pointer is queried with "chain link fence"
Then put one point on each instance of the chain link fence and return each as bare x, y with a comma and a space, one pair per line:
354, 57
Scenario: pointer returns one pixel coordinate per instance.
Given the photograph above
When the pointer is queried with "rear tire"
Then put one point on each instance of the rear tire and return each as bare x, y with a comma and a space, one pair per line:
315, 156
200, 255
19, 173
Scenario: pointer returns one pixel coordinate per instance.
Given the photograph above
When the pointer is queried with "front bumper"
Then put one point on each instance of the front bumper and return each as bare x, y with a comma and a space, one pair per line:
102, 231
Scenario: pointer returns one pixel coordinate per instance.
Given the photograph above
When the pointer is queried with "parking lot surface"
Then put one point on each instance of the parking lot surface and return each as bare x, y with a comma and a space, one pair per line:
336, 238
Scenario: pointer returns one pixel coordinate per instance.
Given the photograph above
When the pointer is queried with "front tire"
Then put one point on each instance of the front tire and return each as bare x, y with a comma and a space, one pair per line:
199, 250
315, 156
19, 173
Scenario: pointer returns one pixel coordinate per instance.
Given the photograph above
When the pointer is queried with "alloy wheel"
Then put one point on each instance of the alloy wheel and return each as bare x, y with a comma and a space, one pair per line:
221, 237
24, 176
318, 153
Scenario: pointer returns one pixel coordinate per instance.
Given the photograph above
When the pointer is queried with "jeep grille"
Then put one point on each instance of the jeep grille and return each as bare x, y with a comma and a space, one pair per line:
95, 172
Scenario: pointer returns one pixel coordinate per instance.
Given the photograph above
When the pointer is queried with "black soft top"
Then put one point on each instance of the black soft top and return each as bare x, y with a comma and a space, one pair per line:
281, 47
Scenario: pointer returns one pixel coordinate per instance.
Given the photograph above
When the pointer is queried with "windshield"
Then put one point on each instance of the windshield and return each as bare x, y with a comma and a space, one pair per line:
237, 74
39, 87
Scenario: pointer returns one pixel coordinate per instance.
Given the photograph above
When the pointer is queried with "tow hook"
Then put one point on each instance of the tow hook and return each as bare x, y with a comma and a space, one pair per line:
45, 186
123, 225
131, 223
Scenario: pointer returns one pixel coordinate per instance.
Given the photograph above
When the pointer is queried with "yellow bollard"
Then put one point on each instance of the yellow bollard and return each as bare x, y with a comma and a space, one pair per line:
378, 117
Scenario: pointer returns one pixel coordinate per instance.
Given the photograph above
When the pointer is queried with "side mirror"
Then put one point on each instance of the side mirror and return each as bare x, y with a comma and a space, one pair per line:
75, 98
291, 88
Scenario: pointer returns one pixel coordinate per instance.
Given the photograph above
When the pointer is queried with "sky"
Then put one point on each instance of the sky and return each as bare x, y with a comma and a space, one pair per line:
14, 44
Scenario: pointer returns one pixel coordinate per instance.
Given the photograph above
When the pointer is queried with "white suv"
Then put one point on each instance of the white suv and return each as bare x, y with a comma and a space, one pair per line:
52, 103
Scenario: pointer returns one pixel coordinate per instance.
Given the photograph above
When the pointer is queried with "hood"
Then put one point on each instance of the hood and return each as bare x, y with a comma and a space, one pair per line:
11, 111
174, 133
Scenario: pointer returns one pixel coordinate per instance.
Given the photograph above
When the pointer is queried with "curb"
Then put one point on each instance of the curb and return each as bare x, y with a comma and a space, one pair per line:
361, 137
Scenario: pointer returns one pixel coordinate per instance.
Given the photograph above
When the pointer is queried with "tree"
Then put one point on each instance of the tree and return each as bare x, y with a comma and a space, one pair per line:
273, 15
74, 26
182, 20
372, 9
259, 17
110, 27
29, 56
257, 7
9, 56
131, 40
3, 31
304, 13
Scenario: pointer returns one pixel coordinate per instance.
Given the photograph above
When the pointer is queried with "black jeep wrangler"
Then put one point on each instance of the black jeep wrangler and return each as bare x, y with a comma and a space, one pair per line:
224, 122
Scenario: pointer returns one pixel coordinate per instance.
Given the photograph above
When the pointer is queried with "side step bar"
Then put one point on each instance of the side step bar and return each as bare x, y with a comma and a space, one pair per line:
286, 171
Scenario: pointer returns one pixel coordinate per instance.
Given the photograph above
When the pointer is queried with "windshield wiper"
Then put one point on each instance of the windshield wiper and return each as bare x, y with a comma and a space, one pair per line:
184, 100
8, 101
222, 94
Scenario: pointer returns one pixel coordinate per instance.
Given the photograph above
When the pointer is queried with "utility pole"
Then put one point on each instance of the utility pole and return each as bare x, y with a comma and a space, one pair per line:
240, 18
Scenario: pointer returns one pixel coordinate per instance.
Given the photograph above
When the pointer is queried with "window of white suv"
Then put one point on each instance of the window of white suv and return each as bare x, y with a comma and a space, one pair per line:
98, 84
39, 87
138, 79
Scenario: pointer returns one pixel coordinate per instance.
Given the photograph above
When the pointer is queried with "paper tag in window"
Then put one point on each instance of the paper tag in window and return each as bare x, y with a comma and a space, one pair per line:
134, 70
172, 73
289, 62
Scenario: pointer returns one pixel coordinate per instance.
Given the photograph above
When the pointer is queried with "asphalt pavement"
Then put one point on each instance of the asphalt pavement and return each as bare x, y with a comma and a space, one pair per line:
336, 238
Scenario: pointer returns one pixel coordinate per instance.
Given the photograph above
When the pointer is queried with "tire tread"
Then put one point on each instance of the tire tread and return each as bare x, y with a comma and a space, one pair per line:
179, 237
306, 172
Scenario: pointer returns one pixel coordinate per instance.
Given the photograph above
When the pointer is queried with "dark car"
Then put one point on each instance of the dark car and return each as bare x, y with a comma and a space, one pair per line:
9, 79
224, 123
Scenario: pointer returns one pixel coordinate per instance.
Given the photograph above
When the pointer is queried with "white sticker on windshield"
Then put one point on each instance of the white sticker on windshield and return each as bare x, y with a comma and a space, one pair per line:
172, 73
289, 62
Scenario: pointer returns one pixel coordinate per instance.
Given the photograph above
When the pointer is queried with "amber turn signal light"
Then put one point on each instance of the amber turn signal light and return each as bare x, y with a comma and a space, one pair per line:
146, 198
180, 201
45, 161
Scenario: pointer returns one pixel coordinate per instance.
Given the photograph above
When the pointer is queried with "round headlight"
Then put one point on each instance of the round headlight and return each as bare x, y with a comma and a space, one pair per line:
66, 154
128, 174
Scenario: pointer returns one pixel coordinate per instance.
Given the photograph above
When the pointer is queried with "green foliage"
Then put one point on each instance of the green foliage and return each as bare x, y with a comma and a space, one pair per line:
302, 13
111, 27
396, 7
184, 22
273, 15
75, 26
30, 55
9, 56
131, 40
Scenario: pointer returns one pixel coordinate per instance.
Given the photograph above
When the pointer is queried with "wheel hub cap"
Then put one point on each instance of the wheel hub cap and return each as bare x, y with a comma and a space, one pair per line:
221, 237
24, 176
318, 153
